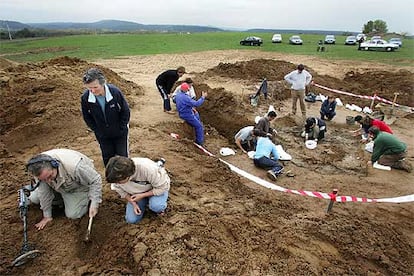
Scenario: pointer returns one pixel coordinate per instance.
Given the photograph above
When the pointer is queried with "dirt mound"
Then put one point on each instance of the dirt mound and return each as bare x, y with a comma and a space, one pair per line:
217, 222
253, 70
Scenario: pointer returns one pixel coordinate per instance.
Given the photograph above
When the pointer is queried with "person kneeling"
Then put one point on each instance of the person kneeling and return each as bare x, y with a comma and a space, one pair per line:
141, 182
315, 129
262, 157
388, 150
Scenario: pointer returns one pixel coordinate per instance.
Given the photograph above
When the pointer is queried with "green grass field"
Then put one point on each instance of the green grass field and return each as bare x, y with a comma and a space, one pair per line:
91, 47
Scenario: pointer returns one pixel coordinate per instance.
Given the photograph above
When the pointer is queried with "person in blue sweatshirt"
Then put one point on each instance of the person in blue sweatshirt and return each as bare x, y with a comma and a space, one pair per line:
185, 107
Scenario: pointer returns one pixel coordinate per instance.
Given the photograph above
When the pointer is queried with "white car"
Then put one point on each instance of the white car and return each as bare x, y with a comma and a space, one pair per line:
396, 40
277, 38
329, 39
378, 45
359, 36
295, 40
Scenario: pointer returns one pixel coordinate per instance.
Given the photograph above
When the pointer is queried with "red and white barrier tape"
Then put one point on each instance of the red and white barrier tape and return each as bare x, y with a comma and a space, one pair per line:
331, 196
375, 97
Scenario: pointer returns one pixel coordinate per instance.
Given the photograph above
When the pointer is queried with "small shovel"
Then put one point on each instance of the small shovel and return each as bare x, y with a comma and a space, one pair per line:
88, 233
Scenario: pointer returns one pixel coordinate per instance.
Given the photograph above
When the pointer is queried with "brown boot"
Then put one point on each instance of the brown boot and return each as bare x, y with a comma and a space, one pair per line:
404, 165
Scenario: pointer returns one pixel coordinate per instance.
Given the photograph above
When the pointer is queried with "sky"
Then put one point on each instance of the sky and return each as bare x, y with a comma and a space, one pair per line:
334, 15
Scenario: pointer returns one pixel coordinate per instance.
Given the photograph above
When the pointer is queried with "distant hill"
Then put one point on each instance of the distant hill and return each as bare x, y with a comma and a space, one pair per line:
13, 25
122, 26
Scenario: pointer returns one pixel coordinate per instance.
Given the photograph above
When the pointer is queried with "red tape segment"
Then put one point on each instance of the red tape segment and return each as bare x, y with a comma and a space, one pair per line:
330, 196
360, 96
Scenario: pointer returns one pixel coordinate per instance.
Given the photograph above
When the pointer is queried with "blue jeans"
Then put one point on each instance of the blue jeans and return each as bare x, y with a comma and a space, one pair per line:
157, 204
268, 164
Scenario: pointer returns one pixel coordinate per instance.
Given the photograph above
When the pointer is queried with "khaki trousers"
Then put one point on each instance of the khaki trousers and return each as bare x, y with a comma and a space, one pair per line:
298, 94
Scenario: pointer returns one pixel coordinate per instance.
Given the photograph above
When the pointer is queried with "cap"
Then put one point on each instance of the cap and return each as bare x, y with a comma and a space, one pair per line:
301, 67
184, 87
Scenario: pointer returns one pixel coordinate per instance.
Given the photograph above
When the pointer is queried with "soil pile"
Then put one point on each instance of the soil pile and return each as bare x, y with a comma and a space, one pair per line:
217, 222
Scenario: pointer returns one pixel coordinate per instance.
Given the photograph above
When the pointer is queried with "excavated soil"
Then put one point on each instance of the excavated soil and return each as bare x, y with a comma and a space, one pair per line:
217, 222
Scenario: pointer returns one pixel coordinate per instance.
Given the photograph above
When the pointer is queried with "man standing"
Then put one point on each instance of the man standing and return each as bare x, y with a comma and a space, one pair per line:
70, 174
165, 82
267, 156
388, 150
299, 79
185, 107
106, 112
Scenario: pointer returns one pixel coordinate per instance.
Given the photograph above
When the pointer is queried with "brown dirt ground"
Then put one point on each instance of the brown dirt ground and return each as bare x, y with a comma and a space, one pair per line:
217, 222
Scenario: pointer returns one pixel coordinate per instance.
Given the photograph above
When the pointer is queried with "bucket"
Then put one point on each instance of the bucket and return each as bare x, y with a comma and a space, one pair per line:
350, 120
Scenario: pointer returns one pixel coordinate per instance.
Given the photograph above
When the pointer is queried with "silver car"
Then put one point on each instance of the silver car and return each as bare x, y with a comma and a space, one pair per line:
351, 40
295, 40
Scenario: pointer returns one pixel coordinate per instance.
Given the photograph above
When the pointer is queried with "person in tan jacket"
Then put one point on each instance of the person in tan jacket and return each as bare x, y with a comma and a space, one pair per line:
71, 175
141, 182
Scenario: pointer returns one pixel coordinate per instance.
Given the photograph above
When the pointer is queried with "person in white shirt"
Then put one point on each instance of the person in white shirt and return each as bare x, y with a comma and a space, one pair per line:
190, 92
141, 182
298, 79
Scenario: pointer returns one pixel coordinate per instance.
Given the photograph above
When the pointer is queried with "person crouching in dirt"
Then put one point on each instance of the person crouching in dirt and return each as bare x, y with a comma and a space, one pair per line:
185, 107
267, 156
141, 182
263, 126
388, 150
107, 113
69, 174
245, 139
328, 108
367, 122
315, 129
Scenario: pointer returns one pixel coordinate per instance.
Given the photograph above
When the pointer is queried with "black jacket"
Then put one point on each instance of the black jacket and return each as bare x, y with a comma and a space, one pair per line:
167, 80
116, 119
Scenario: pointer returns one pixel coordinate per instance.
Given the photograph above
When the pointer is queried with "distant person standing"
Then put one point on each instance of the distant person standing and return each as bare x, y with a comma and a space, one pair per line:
165, 82
299, 79
185, 107
107, 113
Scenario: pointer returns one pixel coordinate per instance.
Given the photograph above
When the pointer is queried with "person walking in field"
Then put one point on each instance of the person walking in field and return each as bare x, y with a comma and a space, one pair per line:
165, 82
299, 80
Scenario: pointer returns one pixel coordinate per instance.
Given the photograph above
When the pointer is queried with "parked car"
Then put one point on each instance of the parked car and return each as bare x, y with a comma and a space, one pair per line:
396, 40
277, 38
351, 40
252, 41
329, 39
295, 40
359, 36
378, 45
376, 37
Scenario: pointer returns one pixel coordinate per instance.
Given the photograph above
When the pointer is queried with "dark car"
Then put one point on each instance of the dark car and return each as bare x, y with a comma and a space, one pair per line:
252, 41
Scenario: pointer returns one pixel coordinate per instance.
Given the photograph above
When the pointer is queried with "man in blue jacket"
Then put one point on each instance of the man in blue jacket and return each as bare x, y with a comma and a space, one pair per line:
106, 112
328, 108
185, 110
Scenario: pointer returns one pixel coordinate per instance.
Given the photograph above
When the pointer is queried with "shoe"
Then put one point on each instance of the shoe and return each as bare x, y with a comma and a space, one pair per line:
404, 165
271, 175
169, 111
